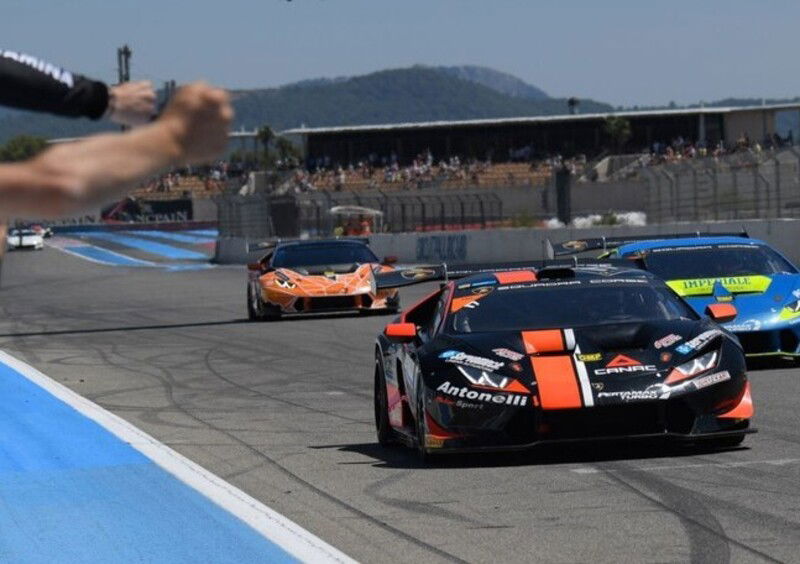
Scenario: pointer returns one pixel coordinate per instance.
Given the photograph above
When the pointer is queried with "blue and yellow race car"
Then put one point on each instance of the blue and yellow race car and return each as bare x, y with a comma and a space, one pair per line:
762, 284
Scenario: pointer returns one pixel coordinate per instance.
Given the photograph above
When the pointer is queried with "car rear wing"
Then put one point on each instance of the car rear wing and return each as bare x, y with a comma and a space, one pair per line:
269, 244
551, 268
577, 246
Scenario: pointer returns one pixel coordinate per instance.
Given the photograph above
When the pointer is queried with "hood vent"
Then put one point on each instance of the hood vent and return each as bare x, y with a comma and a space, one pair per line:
624, 336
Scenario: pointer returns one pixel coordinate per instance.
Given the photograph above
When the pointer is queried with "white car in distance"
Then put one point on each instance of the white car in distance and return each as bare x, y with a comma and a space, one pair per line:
24, 239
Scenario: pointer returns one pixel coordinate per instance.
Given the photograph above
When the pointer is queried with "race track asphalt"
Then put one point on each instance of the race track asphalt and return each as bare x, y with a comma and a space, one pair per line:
284, 411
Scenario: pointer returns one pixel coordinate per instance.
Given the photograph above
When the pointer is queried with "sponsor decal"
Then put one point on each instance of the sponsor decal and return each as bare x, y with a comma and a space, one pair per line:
540, 285
630, 395
790, 311
711, 379
515, 366
487, 397
485, 380
698, 342
458, 403
458, 357
598, 386
508, 353
590, 357
442, 247
622, 364
416, 273
665, 357
614, 280
749, 325
667, 341
433, 442
734, 284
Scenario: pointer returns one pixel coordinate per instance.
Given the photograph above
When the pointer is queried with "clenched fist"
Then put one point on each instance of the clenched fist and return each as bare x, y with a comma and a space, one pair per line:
198, 117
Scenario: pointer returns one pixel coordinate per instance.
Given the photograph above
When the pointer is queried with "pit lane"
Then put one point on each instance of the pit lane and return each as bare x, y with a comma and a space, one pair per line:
284, 412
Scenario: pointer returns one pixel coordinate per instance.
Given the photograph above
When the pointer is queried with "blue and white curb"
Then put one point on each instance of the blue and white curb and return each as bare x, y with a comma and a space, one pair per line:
107, 446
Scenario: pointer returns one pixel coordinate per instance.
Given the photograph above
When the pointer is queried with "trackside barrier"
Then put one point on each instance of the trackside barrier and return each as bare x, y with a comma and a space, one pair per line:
492, 245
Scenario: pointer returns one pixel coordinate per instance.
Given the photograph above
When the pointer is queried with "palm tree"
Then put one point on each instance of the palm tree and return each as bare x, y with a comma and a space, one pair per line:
619, 129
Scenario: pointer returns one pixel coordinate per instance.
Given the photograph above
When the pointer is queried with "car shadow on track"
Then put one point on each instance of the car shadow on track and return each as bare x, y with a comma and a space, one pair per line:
543, 455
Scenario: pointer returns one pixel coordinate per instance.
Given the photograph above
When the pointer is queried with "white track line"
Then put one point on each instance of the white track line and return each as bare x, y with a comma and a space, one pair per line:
275, 527
744, 463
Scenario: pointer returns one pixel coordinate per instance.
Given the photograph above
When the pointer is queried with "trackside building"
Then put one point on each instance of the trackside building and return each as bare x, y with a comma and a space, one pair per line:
545, 135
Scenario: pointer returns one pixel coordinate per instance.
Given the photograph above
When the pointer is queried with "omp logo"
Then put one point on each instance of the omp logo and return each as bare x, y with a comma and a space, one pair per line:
621, 364
487, 397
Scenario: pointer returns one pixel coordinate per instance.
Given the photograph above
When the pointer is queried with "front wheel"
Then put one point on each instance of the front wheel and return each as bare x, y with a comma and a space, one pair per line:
253, 309
257, 310
420, 427
381, 399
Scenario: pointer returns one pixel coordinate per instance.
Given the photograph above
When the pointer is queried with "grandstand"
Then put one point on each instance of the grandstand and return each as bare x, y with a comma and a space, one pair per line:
530, 138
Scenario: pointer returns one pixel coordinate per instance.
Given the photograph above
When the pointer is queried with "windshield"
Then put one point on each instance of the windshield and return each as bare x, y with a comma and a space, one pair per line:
716, 261
323, 254
579, 304
22, 232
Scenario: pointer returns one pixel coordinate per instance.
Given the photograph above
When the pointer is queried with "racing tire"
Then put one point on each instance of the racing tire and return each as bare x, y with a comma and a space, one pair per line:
257, 310
381, 400
253, 313
420, 431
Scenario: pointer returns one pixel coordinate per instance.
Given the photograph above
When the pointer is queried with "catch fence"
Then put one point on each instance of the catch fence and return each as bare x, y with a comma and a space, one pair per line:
260, 215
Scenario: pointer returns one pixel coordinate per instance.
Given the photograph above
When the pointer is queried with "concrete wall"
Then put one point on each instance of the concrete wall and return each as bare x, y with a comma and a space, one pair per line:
499, 245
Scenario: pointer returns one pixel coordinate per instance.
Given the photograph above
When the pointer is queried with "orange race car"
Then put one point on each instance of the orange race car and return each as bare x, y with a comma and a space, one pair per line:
318, 276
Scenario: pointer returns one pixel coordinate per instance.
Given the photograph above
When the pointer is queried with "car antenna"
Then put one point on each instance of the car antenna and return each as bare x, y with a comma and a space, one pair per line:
604, 243
575, 259
446, 278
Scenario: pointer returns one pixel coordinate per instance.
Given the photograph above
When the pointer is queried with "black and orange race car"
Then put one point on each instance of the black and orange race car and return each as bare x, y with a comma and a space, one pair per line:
509, 359
318, 276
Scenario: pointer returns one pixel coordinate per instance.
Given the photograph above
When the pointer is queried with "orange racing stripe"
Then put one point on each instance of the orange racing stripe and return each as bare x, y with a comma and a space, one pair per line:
557, 382
545, 341
515, 276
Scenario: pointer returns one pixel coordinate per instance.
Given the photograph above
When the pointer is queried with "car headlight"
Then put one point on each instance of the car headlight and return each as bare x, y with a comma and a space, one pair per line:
285, 283
790, 310
480, 377
699, 364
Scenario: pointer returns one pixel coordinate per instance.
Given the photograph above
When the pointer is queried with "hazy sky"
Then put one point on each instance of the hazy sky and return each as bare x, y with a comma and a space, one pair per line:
622, 52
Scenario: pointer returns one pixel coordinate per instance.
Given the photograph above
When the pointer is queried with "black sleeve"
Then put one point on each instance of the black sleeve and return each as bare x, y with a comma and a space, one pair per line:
28, 83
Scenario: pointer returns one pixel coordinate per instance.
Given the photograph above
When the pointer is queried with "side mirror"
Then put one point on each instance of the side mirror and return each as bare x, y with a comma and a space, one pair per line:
401, 332
391, 259
255, 266
721, 313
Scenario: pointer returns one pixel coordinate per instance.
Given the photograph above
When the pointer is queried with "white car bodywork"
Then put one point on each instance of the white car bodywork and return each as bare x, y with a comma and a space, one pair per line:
24, 239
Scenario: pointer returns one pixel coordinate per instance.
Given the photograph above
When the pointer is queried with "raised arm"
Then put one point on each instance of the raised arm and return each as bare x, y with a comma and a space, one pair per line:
71, 177
29, 83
